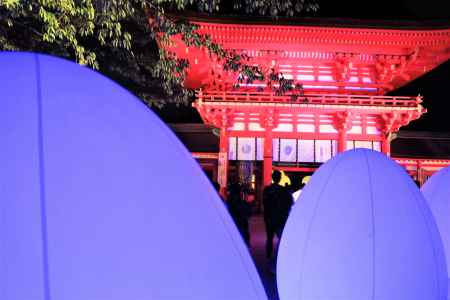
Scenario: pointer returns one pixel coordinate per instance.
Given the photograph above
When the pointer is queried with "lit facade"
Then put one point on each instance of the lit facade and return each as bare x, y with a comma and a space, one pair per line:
346, 72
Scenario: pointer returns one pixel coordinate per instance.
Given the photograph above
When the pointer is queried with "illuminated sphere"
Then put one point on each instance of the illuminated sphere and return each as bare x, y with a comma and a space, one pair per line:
361, 230
437, 192
100, 201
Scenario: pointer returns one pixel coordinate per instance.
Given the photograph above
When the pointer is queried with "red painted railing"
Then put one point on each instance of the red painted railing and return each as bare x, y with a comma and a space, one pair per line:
423, 162
321, 99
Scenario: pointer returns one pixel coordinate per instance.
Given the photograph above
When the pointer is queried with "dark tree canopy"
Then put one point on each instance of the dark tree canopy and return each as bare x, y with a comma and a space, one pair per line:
118, 38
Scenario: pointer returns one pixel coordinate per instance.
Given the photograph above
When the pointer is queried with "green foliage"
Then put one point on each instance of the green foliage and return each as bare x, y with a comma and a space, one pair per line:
118, 38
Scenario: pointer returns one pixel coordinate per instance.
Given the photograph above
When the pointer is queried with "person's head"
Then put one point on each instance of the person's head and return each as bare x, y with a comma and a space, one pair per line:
234, 189
296, 183
276, 176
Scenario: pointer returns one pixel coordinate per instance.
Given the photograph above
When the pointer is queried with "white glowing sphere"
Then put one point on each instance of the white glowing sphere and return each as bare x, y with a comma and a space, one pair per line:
100, 201
361, 230
437, 192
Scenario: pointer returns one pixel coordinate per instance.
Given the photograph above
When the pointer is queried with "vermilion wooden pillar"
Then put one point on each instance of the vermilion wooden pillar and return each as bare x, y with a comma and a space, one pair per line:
342, 140
342, 123
222, 169
421, 176
267, 164
386, 144
268, 122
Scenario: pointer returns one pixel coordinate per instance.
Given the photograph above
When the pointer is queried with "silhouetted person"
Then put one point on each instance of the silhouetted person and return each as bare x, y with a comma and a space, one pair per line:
296, 187
239, 210
277, 201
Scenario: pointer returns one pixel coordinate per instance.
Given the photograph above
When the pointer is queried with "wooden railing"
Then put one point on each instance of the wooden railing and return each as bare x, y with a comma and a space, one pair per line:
423, 162
320, 99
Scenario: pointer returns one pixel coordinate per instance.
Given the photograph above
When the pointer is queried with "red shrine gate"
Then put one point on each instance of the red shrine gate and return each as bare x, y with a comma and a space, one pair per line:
345, 71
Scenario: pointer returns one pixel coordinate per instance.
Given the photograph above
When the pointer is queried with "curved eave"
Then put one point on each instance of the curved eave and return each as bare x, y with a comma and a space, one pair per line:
234, 34
391, 57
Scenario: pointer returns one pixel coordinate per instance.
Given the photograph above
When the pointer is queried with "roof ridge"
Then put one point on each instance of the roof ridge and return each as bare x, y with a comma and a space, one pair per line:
404, 24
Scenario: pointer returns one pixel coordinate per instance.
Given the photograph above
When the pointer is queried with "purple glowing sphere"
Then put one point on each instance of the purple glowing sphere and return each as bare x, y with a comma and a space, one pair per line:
437, 193
361, 229
100, 201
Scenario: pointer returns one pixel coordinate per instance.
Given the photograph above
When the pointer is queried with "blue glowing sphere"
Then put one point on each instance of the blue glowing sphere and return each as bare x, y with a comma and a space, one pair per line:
361, 230
100, 201
437, 192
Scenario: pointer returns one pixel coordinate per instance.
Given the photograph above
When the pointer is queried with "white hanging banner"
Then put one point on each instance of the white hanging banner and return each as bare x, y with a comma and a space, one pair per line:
350, 145
305, 151
288, 150
363, 144
259, 149
323, 150
377, 146
246, 149
232, 148
333, 148
276, 149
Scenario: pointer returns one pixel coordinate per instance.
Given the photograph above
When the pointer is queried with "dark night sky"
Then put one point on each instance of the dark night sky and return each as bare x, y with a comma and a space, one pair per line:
434, 86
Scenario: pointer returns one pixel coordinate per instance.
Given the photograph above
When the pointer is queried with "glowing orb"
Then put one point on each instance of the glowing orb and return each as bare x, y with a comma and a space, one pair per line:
100, 201
362, 231
285, 180
306, 179
437, 192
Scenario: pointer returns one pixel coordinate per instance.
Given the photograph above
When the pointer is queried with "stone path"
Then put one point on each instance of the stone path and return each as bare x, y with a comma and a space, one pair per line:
257, 242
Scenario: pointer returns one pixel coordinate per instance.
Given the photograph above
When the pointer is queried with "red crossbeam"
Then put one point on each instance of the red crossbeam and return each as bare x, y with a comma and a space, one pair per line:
321, 99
